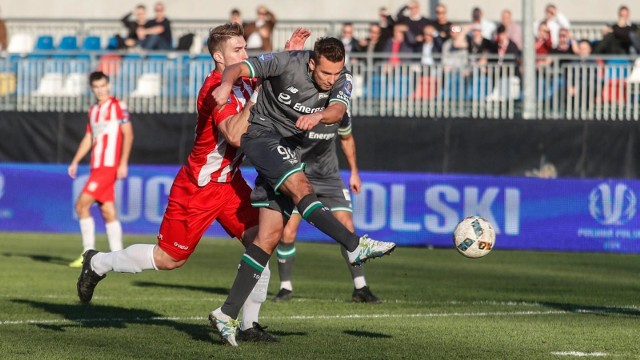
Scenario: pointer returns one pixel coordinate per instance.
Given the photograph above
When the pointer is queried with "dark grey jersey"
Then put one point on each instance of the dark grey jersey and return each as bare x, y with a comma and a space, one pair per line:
289, 92
319, 149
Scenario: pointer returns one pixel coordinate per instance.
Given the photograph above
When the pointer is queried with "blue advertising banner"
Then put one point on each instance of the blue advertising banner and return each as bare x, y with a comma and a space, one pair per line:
408, 208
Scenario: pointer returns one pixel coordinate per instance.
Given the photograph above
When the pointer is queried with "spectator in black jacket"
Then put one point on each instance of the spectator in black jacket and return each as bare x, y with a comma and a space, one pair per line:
618, 37
350, 43
414, 20
132, 26
156, 33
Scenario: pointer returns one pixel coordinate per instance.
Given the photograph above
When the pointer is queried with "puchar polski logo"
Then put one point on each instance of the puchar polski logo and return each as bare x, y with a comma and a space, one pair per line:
612, 205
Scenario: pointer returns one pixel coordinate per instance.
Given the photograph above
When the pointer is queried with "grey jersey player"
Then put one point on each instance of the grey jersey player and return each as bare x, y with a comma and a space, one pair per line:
319, 154
300, 90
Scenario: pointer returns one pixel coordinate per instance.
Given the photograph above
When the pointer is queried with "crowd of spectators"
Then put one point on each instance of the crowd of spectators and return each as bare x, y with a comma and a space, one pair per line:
143, 33
437, 39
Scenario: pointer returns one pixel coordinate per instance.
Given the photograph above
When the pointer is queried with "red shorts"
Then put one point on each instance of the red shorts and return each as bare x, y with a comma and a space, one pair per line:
101, 184
192, 209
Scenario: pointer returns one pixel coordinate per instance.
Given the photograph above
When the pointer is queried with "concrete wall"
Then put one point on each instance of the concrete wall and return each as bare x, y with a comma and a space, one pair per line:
576, 10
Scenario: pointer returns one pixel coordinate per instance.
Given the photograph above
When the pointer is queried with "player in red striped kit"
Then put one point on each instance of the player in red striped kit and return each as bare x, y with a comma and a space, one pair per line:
208, 187
109, 136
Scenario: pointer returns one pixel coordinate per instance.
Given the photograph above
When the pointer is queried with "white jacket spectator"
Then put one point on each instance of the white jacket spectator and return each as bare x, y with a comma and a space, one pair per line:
555, 21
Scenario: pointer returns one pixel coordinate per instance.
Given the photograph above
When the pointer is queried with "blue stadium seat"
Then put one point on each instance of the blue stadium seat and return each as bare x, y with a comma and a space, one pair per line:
68, 43
44, 43
91, 43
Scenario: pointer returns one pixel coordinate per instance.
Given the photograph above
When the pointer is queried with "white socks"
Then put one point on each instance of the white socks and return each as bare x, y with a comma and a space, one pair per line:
251, 307
359, 282
286, 285
88, 232
114, 235
133, 259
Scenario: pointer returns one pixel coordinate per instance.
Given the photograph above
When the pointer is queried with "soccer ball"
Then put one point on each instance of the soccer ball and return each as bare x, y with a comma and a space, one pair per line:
474, 237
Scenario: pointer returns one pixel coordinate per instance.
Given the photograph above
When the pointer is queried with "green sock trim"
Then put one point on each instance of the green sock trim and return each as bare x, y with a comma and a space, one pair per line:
285, 253
314, 205
251, 262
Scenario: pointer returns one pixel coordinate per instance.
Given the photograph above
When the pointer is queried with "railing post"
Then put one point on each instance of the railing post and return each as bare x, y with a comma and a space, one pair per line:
529, 63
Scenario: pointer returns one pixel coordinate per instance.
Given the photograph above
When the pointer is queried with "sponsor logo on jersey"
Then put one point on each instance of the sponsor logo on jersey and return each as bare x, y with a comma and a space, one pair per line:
265, 56
305, 109
320, 136
292, 90
611, 205
284, 98
180, 246
323, 95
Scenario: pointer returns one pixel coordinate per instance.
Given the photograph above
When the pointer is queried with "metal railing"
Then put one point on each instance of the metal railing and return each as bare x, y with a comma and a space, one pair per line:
602, 88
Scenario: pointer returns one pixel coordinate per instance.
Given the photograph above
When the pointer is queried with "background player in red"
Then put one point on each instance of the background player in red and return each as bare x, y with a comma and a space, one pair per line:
109, 136
208, 187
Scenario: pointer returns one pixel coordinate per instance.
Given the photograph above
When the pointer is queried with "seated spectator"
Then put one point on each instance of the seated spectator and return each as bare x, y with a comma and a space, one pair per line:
566, 46
259, 33
514, 31
373, 42
618, 37
398, 44
442, 23
455, 50
431, 45
488, 27
4, 44
132, 26
555, 21
478, 46
156, 33
414, 20
543, 44
235, 17
350, 43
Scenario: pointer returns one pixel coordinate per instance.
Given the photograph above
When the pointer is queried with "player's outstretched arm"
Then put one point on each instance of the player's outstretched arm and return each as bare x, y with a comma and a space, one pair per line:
331, 114
229, 76
298, 39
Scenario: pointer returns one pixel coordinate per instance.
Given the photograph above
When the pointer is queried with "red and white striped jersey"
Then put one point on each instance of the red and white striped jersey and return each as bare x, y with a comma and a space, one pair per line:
212, 158
104, 126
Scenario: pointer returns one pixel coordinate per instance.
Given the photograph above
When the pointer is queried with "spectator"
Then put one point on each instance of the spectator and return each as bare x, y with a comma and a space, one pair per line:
455, 50
581, 73
543, 44
488, 27
132, 25
259, 33
235, 17
618, 37
442, 23
513, 29
414, 21
555, 21
156, 34
4, 44
386, 23
565, 45
398, 44
478, 45
504, 46
431, 45
374, 41
350, 43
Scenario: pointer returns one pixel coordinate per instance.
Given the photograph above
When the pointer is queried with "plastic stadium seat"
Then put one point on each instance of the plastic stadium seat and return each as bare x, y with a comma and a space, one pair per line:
91, 43
148, 85
68, 43
20, 43
75, 84
50, 85
44, 43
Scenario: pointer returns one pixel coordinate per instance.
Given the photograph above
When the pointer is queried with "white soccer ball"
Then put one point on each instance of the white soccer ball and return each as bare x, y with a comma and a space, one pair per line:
474, 237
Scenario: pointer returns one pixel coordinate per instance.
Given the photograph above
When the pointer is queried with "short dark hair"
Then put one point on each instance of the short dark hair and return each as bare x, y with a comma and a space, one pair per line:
141, 6
220, 34
330, 48
97, 75
235, 12
500, 29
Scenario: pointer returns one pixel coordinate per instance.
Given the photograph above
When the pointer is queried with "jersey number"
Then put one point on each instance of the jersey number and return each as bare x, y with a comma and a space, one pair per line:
286, 153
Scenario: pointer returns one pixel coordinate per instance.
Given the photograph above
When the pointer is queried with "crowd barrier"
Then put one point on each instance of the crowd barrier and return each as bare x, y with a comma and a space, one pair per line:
600, 88
411, 209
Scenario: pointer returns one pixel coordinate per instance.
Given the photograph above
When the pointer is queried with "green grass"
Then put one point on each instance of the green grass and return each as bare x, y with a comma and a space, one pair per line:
437, 305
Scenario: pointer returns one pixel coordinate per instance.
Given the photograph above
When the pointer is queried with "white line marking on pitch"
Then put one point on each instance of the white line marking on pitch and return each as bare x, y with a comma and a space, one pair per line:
579, 353
299, 317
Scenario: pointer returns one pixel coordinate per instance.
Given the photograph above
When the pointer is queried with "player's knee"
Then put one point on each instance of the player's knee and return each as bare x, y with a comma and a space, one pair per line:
163, 261
288, 235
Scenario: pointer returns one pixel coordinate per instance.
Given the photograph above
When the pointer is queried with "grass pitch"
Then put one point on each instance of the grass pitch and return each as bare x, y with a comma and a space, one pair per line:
437, 305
